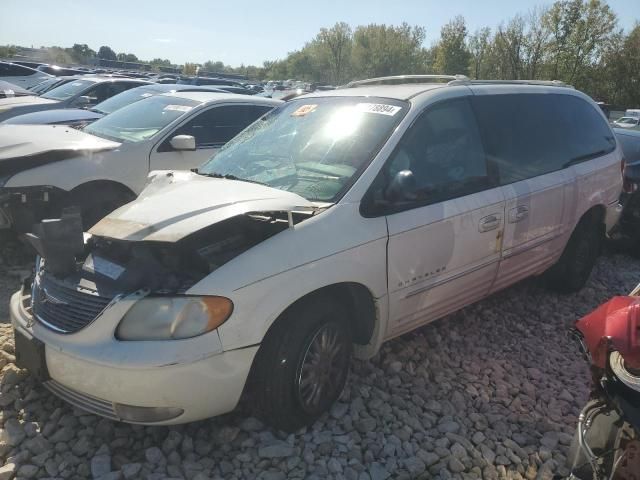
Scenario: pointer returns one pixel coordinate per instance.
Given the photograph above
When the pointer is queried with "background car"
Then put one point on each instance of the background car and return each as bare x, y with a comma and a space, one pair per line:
50, 84
10, 90
81, 93
628, 228
44, 168
627, 122
21, 75
79, 116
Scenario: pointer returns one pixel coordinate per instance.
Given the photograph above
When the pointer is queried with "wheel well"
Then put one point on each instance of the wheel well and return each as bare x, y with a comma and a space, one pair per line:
356, 298
596, 216
117, 190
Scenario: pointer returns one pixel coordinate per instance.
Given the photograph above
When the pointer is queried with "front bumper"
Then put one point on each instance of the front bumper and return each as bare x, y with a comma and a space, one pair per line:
115, 377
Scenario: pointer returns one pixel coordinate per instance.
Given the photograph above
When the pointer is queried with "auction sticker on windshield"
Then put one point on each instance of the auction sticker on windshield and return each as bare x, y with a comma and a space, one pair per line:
304, 110
178, 108
380, 108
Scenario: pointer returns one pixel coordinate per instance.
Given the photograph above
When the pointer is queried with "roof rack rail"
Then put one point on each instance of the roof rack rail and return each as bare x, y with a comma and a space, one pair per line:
400, 79
548, 83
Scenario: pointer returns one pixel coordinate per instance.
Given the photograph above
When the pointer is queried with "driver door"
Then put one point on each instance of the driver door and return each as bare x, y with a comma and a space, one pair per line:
444, 245
211, 128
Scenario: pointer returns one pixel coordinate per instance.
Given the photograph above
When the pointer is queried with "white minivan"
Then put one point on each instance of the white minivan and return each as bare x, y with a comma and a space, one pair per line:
337, 221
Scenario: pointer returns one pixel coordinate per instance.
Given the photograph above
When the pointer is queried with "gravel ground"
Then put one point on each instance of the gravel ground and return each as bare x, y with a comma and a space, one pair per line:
491, 392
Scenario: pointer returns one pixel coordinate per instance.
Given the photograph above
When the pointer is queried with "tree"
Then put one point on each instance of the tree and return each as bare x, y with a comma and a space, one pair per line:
189, 69
579, 32
217, 66
81, 53
380, 50
107, 53
337, 41
478, 46
452, 55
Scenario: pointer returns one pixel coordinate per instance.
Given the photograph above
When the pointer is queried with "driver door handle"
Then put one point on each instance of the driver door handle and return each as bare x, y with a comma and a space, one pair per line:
490, 222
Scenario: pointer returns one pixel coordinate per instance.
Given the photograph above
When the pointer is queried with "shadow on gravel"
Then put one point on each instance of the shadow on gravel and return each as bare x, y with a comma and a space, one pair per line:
490, 392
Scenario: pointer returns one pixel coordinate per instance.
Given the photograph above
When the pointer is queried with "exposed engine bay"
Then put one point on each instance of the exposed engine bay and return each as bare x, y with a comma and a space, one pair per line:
110, 267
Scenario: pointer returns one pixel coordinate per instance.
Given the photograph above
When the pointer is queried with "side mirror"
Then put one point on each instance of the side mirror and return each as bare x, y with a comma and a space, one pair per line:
403, 187
183, 142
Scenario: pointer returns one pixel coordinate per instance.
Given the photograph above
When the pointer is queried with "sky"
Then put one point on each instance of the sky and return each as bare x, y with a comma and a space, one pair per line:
241, 32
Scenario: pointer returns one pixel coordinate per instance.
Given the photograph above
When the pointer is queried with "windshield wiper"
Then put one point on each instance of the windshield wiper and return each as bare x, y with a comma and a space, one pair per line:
97, 110
227, 176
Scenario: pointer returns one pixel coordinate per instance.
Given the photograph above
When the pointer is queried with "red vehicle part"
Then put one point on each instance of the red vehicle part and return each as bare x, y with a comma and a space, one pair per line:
613, 326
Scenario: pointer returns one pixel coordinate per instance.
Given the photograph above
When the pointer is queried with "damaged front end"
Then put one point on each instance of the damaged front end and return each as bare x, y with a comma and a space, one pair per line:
79, 274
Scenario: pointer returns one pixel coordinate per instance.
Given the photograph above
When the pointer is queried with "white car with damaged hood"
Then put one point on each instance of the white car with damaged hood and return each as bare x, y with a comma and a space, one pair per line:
335, 222
45, 168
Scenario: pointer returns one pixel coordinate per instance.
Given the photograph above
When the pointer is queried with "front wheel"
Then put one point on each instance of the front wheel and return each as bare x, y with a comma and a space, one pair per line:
302, 365
574, 267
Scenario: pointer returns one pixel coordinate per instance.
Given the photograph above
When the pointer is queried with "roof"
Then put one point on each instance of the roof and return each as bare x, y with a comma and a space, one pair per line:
211, 97
398, 92
100, 79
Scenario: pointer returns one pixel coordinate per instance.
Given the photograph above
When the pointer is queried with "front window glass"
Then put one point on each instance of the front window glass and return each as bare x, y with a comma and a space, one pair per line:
123, 99
141, 120
67, 90
314, 147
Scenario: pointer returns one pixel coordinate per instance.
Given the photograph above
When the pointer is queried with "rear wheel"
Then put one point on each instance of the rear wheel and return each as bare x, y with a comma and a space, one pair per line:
302, 365
574, 267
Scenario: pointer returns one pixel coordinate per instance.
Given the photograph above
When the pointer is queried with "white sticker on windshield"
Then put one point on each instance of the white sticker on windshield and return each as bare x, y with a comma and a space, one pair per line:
379, 108
145, 95
178, 108
76, 84
102, 266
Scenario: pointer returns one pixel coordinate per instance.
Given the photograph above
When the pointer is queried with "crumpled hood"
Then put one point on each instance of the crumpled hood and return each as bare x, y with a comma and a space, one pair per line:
11, 102
27, 140
57, 116
177, 204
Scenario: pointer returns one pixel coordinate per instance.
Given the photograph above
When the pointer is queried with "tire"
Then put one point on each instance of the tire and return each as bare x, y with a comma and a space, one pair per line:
574, 267
284, 374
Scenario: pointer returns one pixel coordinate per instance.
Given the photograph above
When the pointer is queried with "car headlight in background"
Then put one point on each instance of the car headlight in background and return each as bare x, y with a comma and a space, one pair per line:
173, 318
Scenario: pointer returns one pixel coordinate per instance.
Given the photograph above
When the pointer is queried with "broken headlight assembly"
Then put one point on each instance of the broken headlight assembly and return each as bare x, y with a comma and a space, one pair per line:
173, 318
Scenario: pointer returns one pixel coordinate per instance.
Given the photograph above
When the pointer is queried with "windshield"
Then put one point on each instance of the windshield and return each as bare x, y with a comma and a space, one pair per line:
141, 120
123, 99
67, 90
314, 147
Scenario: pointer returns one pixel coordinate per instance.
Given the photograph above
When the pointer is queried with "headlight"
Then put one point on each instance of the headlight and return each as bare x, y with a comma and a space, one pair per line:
173, 318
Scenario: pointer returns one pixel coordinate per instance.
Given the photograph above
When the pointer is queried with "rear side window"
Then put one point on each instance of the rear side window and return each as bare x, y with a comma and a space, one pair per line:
527, 135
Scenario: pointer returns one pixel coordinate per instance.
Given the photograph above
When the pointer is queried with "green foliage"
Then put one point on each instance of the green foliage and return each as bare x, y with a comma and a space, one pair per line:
107, 53
577, 41
452, 55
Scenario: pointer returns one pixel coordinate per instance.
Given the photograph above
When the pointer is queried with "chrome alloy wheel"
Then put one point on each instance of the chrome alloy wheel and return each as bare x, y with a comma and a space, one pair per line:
323, 368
